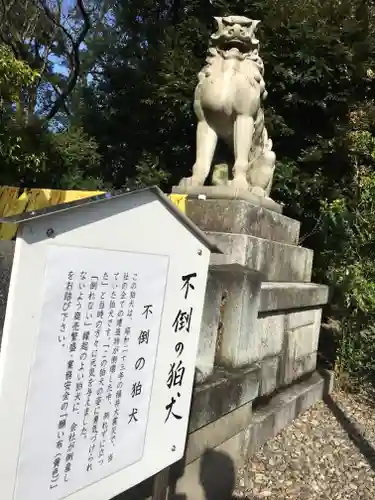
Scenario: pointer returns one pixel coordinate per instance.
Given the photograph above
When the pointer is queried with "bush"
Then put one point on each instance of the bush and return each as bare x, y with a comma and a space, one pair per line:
347, 265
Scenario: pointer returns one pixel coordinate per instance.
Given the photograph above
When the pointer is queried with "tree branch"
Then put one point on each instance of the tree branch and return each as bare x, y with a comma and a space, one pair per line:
73, 53
6, 37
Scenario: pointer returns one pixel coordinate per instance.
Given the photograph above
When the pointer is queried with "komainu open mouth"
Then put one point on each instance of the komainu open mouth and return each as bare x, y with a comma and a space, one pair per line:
236, 43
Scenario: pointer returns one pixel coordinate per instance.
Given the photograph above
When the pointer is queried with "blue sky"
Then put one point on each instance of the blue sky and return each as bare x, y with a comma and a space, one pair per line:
58, 67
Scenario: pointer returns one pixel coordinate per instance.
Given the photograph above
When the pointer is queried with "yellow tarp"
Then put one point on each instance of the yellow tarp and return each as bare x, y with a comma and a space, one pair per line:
11, 203
179, 200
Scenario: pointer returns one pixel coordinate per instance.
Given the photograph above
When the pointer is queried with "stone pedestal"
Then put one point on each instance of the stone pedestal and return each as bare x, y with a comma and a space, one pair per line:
270, 311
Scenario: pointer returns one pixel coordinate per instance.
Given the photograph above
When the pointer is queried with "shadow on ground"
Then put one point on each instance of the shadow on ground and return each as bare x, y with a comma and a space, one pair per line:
353, 431
217, 471
214, 460
350, 425
217, 476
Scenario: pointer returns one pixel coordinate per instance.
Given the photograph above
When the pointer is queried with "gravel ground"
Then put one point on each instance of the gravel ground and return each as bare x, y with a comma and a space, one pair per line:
328, 453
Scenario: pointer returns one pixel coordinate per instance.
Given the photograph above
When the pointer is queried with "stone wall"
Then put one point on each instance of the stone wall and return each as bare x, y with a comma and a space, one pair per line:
256, 364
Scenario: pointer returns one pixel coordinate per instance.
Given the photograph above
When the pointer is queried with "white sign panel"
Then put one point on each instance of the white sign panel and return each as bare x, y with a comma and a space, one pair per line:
91, 383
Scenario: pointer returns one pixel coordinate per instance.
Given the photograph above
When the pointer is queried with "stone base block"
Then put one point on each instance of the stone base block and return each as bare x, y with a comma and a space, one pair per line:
293, 368
209, 327
303, 340
213, 435
224, 392
274, 261
269, 379
282, 409
288, 343
237, 342
270, 333
227, 193
284, 296
300, 319
242, 217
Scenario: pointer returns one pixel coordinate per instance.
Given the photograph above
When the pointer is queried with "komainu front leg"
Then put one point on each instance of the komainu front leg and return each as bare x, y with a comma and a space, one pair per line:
206, 145
243, 137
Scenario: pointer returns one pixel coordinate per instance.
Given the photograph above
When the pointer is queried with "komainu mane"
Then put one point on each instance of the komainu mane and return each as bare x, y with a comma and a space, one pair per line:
228, 104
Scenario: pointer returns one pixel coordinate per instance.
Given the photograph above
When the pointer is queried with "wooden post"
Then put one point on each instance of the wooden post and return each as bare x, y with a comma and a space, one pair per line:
160, 490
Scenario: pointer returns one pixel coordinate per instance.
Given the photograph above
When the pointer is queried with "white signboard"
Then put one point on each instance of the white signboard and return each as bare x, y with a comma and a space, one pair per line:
90, 388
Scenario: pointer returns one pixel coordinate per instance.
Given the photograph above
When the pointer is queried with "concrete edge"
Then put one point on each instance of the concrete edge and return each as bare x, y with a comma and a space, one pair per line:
284, 408
217, 432
253, 238
222, 393
276, 296
228, 193
242, 217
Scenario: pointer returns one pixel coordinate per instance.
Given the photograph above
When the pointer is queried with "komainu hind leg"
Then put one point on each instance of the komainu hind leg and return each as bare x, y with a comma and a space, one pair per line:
261, 172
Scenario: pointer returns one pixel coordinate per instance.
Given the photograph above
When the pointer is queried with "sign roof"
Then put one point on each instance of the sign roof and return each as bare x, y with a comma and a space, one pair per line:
26, 217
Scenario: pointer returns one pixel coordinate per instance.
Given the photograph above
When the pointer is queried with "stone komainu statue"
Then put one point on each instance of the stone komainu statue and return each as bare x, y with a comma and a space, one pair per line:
228, 104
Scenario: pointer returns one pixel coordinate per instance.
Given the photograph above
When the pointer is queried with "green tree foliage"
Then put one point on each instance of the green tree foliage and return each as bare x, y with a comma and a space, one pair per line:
34, 96
47, 35
348, 254
16, 77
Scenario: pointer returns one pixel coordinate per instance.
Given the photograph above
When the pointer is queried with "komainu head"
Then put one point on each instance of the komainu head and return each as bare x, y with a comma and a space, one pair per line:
235, 32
